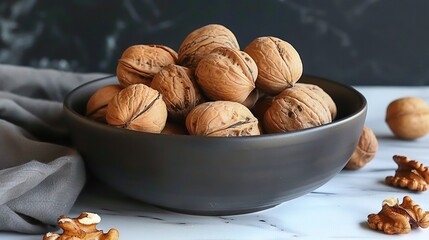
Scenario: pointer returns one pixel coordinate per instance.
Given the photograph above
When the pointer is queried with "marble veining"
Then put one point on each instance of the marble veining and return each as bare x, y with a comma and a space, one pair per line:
359, 42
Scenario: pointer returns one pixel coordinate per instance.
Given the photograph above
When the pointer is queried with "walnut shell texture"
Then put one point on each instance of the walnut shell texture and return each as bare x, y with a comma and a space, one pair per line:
408, 118
325, 96
137, 107
227, 74
296, 109
139, 63
365, 150
221, 118
202, 41
278, 62
97, 103
179, 90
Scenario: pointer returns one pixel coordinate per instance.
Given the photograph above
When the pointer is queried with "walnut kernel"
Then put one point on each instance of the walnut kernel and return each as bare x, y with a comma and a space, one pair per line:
410, 174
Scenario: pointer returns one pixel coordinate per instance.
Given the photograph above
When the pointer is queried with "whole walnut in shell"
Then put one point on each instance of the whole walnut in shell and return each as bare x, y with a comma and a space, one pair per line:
278, 62
227, 74
97, 103
221, 118
137, 107
140, 63
324, 95
295, 109
202, 41
179, 90
365, 150
408, 117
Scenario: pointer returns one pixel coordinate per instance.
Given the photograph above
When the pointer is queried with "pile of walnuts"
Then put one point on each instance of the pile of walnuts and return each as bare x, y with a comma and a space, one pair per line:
210, 87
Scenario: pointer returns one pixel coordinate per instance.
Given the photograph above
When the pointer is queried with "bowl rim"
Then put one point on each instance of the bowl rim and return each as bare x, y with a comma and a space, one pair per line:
272, 136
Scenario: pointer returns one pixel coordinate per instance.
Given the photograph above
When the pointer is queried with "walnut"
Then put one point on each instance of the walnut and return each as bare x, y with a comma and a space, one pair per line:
395, 218
365, 150
221, 118
202, 41
137, 107
97, 103
172, 128
227, 74
278, 62
81, 228
179, 90
410, 174
325, 96
139, 63
408, 118
295, 109
253, 98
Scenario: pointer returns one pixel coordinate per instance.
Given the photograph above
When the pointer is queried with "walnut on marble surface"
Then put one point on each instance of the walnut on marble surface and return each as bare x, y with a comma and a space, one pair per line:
278, 62
365, 150
137, 107
179, 90
202, 41
97, 103
410, 174
408, 117
140, 63
296, 109
221, 118
395, 218
227, 74
84, 227
325, 96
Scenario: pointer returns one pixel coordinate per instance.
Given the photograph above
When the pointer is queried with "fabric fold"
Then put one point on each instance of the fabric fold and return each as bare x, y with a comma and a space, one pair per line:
40, 174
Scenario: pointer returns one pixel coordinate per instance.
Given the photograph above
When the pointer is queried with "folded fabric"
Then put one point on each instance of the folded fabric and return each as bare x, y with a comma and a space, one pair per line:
40, 177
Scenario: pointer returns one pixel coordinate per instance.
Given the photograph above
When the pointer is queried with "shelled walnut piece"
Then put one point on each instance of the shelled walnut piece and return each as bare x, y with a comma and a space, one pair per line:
81, 228
395, 218
410, 174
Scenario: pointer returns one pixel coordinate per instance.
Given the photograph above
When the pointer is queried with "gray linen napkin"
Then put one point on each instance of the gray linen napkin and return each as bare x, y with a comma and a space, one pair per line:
40, 178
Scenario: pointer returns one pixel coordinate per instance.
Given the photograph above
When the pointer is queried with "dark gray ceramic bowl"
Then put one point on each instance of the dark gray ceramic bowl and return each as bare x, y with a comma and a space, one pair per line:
217, 175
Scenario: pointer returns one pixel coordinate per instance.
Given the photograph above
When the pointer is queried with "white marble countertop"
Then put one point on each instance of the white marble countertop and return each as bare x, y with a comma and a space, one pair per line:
337, 210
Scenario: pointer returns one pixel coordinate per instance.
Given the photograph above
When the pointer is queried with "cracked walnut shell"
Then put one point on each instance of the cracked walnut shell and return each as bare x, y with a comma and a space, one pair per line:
81, 228
410, 174
408, 117
278, 62
395, 218
227, 74
179, 90
221, 118
296, 109
365, 150
140, 63
97, 103
202, 41
137, 107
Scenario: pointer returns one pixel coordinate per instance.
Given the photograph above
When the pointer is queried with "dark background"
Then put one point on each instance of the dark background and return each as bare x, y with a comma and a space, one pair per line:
358, 42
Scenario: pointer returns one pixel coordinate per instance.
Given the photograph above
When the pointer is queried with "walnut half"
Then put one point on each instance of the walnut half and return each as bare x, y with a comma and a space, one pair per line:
395, 218
410, 174
81, 228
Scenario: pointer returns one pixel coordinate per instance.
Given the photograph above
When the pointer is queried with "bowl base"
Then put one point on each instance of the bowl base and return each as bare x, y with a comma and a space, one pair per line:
217, 212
